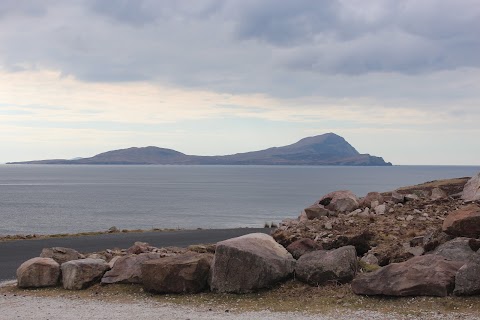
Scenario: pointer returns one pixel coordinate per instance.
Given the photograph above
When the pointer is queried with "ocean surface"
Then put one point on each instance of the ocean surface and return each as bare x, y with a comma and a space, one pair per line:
59, 199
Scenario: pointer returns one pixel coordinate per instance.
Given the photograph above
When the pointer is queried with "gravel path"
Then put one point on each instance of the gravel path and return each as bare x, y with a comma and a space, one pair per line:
48, 308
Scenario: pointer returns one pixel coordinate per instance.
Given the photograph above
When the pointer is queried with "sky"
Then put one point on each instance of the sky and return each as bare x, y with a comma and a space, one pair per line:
396, 79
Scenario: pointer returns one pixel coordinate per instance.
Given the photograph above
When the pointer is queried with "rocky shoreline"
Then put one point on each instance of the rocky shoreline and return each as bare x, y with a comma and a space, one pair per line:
414, 241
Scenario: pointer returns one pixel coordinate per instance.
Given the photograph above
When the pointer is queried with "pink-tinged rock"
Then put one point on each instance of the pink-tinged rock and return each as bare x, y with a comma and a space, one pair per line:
128, 269
371, 197
464, 222
38, 272
315, 211
248, 263
138, 247
302, 246
342, 201
471, 190
183, 273
80, 274
61, 254
429, 275
320, 267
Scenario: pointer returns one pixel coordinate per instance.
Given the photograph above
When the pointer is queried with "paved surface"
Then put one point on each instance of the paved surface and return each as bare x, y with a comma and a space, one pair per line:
13, 253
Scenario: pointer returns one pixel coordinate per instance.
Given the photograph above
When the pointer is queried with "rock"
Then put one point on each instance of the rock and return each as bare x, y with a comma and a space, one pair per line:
183, 273
249, 263
372, 197
457, 249
138, 247
113, 230
438, 194
415, 250
61, 255
464, 222
302, 246
417, 241
411, 197
398, 197
38, 272
127, 269
316, 211
365, 213
319, 267
467, 281
434, 239
328, 225
342, 201
471, 190
380, 209
80, 274
113, 260
370, 258
428, 275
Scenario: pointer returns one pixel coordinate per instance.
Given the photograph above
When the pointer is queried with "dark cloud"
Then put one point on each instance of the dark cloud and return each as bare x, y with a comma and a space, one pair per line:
278, 47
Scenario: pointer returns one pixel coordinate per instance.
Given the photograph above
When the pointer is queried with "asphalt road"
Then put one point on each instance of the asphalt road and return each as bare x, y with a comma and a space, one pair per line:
14, 253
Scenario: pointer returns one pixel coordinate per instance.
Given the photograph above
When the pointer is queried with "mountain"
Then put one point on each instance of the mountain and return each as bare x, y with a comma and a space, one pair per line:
325, 149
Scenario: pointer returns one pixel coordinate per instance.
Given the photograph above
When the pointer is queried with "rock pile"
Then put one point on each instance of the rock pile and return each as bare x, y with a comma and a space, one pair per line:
421, 240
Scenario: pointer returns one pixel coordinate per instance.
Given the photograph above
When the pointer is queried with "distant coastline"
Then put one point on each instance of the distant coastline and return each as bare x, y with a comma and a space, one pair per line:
326, 149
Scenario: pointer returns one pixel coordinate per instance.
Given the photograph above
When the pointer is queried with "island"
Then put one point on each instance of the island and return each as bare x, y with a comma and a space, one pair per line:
325, 149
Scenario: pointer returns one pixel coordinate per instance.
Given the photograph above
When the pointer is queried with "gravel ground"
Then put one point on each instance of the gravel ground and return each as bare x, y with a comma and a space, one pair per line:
48, 308
20, 306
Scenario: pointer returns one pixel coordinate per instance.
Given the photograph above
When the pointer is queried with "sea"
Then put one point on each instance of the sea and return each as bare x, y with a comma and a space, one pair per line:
50, 199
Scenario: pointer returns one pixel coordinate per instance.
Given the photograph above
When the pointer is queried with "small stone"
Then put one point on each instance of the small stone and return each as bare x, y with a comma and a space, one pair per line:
409, 218
328, 225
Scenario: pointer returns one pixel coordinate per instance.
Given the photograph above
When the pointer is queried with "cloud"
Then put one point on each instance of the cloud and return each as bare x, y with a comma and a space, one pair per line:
272, 47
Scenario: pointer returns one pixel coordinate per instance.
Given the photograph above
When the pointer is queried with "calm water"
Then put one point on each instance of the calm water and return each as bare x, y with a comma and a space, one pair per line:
57, 199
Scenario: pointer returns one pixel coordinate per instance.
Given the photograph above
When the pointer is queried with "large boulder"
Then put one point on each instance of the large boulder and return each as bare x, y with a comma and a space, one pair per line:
319, 267
457, 249
184, 273
429, 275
80, 274
61, 254
38, 272
302, 246
374, 197
464, 222
248, 263
128, 269
471, 190
342, 201
467, 281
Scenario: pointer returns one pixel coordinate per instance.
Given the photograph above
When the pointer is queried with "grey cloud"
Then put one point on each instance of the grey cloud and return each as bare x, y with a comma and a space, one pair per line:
284, 48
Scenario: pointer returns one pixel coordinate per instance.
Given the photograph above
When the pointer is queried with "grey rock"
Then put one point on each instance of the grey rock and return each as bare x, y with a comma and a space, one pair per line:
457, 249
320, 267
248, 263
80, 274
467, 280
38, 272
471, 190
